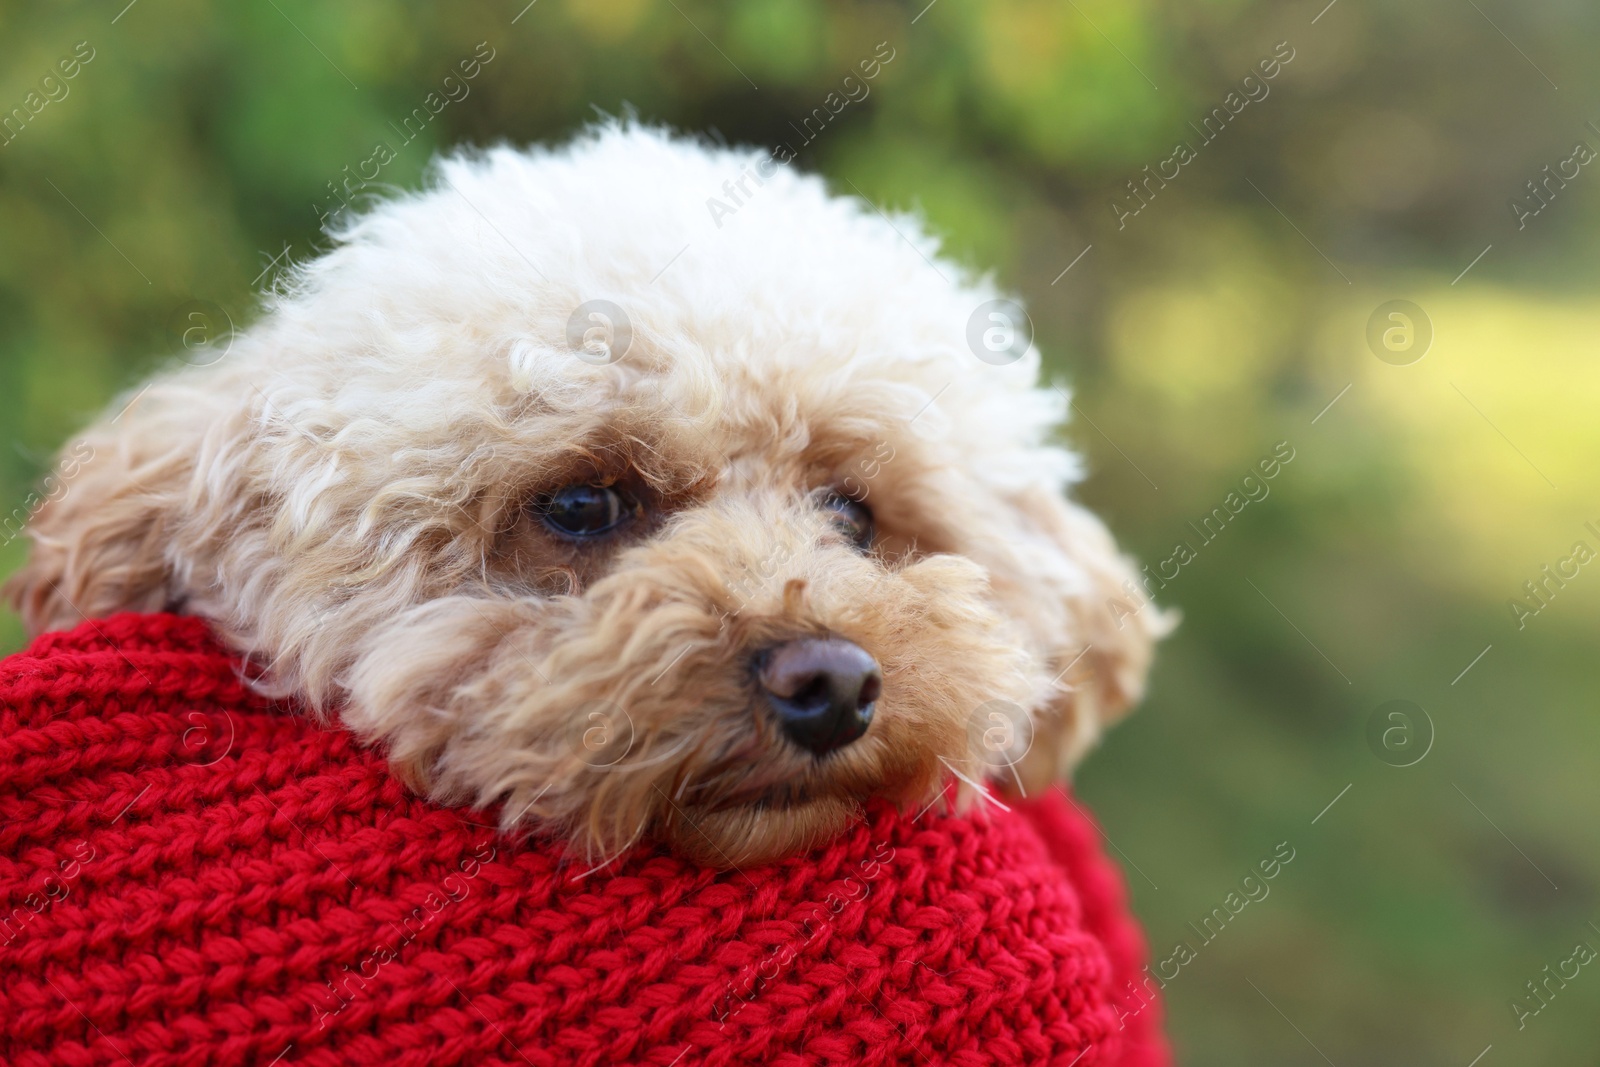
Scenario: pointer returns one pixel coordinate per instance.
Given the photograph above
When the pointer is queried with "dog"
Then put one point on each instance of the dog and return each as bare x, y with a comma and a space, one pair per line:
642, 521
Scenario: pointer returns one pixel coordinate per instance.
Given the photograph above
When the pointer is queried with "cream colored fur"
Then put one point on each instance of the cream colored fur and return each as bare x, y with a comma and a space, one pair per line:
343, 496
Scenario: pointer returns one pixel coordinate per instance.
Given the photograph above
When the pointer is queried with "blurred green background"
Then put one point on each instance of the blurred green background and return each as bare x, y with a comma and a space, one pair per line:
1220, 320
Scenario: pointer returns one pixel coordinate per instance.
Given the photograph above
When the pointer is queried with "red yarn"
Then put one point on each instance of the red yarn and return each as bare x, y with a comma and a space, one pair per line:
190, 876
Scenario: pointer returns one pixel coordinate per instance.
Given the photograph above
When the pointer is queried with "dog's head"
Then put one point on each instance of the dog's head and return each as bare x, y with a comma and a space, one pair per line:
642, 487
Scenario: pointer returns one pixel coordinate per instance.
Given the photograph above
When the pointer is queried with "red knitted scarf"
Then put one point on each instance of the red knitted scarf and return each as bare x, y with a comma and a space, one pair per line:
191, 876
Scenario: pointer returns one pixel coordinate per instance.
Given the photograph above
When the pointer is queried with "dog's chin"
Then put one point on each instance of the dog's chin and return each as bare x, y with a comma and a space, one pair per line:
771, 817
760, 831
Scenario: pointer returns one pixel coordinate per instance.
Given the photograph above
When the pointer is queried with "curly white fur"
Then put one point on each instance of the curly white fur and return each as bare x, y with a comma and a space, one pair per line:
345, 497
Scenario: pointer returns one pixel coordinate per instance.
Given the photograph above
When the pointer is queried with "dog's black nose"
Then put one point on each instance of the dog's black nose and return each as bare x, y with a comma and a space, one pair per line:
822, 690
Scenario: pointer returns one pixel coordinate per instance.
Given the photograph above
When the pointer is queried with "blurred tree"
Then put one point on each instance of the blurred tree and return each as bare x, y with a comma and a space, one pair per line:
190, 157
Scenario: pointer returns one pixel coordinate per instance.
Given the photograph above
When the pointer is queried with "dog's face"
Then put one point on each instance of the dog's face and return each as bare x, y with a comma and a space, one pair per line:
641, 521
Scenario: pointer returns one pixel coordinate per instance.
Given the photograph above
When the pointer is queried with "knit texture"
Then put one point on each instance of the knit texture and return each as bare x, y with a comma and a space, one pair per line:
190, 875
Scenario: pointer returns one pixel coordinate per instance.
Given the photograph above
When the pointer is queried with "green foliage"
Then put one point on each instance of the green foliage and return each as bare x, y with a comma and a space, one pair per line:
200, 141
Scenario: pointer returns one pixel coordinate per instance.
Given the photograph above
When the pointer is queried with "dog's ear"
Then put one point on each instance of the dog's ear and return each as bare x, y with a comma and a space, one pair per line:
1062, 579
102, 526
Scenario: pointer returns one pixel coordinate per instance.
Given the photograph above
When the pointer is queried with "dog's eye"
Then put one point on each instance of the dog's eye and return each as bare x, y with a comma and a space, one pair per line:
584, 510
852, 517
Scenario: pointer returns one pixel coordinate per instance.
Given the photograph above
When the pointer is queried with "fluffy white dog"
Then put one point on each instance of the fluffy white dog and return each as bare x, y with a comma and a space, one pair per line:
640, 525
